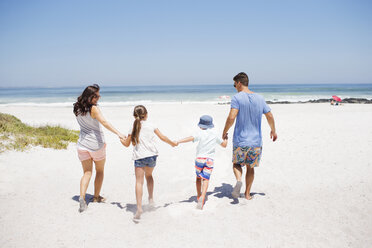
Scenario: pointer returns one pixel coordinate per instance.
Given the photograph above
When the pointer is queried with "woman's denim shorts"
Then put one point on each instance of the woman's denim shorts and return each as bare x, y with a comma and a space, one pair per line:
149, 161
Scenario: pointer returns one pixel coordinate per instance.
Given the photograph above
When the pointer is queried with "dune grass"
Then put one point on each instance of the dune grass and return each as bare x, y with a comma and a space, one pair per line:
15, 135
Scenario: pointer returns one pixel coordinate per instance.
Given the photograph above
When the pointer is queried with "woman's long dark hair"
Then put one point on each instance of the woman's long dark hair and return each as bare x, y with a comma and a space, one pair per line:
139, 113
83, 105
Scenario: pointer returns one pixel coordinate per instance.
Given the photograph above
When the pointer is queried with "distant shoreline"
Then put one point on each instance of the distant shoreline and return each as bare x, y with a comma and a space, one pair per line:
124, 104
214, 94
346, 100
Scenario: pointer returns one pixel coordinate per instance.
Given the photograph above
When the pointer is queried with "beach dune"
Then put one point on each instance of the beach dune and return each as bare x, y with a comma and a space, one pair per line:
313, 187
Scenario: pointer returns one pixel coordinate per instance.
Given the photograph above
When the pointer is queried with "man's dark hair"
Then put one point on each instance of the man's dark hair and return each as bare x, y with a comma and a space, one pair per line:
242, 78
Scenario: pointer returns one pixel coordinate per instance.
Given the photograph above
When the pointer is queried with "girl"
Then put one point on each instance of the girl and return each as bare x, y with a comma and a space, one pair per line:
91, 145
144, 154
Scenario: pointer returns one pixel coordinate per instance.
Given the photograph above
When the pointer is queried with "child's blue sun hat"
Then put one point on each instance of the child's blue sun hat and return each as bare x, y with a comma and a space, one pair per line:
206, 121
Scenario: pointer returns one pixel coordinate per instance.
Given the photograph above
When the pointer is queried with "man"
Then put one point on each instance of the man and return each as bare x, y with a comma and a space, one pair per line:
247, 108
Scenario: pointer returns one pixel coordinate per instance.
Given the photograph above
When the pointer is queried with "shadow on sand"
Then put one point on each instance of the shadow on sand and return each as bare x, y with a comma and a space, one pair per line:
225, 190
222, 191
88, 198
133, 207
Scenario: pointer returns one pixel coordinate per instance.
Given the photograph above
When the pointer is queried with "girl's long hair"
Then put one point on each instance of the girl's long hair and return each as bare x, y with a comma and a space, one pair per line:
83, 105
139, 113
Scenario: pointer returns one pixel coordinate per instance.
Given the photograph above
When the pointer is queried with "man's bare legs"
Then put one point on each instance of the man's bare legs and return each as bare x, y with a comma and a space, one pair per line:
238, 175
238, 171
100, 166
150, 183
249, 177
140, 173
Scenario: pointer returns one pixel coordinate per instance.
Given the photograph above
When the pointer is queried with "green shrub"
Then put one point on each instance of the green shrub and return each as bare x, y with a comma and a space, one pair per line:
15, 135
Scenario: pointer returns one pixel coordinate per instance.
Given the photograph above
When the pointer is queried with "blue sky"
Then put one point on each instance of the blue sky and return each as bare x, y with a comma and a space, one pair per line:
71, 43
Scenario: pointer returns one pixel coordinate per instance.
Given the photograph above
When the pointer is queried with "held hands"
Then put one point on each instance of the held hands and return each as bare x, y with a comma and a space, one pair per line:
225, 136
174, 143
122, 136
273, 135
123, 141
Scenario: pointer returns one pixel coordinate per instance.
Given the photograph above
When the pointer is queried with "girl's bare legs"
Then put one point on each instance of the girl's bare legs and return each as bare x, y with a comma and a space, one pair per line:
140, 173
150, 183
100, 166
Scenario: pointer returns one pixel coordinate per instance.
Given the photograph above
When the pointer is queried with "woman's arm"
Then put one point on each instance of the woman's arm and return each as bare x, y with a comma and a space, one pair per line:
164, 138
96, 114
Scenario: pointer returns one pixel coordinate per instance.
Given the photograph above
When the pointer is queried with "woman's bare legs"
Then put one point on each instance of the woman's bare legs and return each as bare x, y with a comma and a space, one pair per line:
85, 179
150, 183
100, 166
140, 173
84, 182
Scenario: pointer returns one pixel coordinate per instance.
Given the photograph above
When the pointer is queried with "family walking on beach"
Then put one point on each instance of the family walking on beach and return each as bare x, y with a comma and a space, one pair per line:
247, 109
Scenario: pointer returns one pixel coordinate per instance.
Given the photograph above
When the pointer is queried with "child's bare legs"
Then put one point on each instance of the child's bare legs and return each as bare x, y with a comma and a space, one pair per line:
205, 188
140, 173
201, 198
198, 187
150, 183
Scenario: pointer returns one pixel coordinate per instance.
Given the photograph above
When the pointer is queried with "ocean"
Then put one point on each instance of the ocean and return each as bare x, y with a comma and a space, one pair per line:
131, 95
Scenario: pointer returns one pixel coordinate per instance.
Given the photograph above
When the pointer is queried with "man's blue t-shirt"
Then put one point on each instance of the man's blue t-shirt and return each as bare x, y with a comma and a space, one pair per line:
247, 130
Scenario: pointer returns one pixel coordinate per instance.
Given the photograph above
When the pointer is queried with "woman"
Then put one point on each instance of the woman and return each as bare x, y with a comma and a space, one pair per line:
91, 145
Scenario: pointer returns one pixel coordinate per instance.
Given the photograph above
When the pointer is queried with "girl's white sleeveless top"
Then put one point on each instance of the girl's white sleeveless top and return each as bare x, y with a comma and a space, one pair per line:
91, 136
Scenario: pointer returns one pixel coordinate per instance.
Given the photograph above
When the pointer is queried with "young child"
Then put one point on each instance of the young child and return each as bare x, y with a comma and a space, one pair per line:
205, 150
142, 137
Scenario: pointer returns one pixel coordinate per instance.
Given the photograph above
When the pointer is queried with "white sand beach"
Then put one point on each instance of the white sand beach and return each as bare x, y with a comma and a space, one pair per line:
313, 187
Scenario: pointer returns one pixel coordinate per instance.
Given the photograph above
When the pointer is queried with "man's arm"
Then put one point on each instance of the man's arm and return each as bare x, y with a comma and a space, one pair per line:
224, 143
270, 120
229, 121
